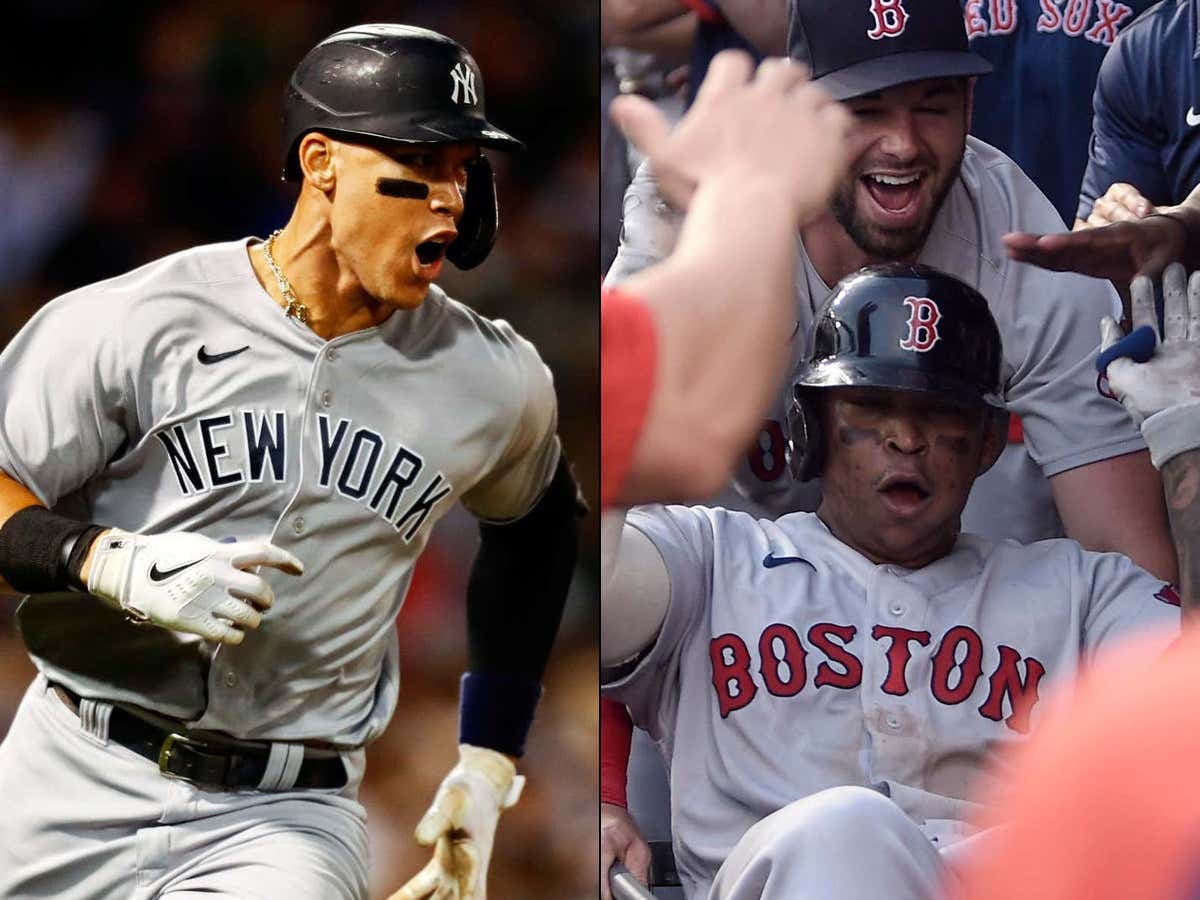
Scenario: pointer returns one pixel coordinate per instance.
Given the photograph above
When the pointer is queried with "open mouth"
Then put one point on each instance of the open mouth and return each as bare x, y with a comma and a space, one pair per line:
906, 492
430, 252
893, 193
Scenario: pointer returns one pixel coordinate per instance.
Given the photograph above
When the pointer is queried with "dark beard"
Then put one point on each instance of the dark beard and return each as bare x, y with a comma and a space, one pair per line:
887, 243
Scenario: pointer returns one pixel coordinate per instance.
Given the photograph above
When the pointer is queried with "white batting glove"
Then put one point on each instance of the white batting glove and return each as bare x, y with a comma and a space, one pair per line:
461, 824
187, 582
1162, 394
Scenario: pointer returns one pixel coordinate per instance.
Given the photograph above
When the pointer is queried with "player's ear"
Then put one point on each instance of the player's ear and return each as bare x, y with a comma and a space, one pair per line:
316, 160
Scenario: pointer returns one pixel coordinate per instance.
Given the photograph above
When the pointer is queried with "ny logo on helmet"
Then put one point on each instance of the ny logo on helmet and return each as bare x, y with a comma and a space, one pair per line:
890, 18
922, 324
464, 78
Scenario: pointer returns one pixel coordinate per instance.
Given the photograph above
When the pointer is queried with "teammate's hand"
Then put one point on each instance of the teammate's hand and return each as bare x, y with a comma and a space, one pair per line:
1120, 203
460, 825
1117, 252
621, 842
1171, 376
187, 582
770, 124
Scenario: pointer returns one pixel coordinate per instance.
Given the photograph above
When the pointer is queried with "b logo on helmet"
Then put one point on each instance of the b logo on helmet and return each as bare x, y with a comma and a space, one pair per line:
464, 78
922, 324
890, 18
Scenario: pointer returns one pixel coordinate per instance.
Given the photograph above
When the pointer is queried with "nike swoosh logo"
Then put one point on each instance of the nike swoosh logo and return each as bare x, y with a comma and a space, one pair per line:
157, 574
1192, 119
209, 358
771, 561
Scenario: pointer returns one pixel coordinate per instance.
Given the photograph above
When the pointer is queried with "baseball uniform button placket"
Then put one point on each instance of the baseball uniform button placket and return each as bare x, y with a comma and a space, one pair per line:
327, 398
892, 596
298, 525
331, 354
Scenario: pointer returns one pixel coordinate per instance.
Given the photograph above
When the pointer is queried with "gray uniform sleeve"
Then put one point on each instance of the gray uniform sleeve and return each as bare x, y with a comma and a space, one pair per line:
1067, 423
649, 228
65, 396
1123, 599
516, 482
1050, 322
684, 539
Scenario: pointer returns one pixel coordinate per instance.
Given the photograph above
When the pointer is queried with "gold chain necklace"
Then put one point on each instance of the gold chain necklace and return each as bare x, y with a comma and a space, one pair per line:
294, 309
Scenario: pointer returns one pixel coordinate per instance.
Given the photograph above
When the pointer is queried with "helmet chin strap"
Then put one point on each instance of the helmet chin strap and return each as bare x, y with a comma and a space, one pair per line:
997, 433
402, 187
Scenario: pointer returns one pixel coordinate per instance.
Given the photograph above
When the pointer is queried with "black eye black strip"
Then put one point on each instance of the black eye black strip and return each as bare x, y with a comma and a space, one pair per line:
402, 187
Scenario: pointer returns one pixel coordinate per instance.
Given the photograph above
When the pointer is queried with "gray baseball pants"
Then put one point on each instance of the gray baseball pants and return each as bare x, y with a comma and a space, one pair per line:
84, 818
851, 843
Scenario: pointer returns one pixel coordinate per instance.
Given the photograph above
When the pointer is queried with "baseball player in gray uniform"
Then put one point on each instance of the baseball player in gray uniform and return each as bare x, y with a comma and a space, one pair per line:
828, 687
216, 475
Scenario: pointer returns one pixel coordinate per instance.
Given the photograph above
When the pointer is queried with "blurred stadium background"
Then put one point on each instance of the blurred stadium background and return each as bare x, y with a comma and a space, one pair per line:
129, 131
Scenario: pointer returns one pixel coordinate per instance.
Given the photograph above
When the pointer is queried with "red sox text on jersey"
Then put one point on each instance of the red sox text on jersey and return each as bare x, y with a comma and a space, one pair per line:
353, 462
1096, 20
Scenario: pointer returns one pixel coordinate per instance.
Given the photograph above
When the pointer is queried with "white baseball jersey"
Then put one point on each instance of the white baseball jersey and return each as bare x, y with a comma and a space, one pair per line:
788, 663
178, 397
1049, 323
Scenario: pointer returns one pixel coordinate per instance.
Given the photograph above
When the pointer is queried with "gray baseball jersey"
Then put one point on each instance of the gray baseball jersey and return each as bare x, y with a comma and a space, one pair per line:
788, 663
178, 397
1049, 323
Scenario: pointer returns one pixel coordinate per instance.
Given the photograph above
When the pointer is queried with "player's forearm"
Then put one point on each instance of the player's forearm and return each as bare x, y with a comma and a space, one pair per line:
1115, 505
621, 16
764, 23
40, 550
724, 314
14, 497
1181, 483
669, 41
515, 601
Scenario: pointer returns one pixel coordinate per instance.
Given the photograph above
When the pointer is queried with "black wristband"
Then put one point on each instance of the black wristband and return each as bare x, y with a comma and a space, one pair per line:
76, 552
36, 548
495, 710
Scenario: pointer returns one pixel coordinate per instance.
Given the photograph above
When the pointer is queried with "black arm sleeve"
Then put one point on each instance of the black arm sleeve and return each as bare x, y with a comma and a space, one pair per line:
519, 582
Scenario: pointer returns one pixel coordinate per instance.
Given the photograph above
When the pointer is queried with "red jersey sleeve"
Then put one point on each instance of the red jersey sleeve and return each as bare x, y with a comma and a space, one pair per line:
627, 357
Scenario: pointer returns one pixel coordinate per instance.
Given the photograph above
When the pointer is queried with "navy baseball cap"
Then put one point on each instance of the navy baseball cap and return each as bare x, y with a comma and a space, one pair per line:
855, 47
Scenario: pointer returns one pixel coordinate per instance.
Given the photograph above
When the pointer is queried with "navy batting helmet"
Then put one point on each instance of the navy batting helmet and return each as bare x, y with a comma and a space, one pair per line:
405, 85
899, 327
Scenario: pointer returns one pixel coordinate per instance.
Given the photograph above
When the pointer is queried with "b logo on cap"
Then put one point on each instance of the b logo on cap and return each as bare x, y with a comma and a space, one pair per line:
890, 19
922, 324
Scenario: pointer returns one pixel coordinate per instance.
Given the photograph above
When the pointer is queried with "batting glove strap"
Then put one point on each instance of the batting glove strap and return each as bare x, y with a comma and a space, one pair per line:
1172, 431
496, 769
112, 564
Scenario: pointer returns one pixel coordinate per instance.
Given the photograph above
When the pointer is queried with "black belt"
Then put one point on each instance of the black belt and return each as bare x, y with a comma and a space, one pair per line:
208, 763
